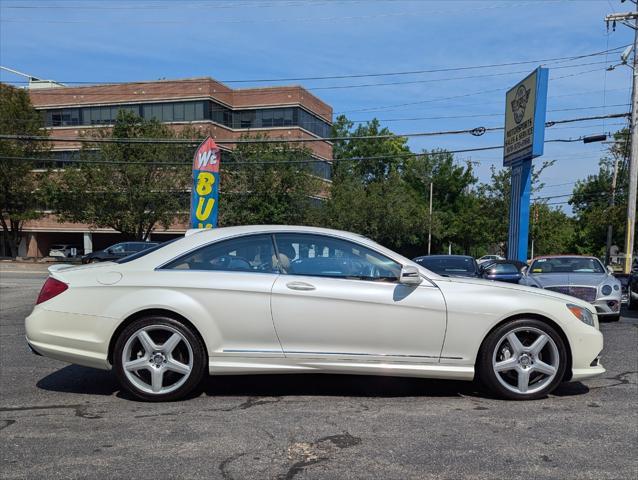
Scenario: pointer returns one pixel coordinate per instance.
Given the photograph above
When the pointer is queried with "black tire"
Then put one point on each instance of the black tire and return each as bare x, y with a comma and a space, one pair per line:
484, 364
161, 326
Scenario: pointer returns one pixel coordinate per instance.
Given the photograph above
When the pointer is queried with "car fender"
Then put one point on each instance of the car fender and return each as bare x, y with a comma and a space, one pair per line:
130, 304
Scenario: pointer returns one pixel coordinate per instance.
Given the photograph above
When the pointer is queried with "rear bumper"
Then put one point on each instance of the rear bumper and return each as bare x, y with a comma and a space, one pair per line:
72, 338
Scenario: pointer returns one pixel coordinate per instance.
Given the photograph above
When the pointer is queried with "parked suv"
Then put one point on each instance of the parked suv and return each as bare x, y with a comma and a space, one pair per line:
117, 251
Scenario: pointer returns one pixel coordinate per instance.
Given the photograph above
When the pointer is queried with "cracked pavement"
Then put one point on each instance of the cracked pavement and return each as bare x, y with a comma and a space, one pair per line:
65, 421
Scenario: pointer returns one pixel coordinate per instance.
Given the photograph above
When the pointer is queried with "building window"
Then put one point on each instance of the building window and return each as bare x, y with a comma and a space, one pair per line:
191, 111
178, 112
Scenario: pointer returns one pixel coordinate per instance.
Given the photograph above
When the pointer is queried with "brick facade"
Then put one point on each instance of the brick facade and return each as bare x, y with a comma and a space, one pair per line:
42, 233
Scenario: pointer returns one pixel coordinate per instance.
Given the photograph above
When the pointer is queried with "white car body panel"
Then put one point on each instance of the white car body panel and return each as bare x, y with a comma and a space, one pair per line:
359, 318
253, 323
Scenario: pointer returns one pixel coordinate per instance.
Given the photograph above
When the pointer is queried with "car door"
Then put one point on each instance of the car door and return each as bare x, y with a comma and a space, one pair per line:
337, 298
231, 281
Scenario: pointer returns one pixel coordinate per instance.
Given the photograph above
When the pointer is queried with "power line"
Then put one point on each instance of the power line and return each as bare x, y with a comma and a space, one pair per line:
453, 97
386, 74
334, 160
477, 131
61, 93
446, 117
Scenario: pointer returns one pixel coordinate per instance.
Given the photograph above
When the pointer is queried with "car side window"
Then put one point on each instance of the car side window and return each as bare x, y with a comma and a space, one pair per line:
324, 256
118, 248
254, 253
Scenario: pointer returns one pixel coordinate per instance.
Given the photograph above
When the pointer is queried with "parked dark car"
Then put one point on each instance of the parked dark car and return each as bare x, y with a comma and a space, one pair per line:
503, 270
629, 286
117, 251
450, 265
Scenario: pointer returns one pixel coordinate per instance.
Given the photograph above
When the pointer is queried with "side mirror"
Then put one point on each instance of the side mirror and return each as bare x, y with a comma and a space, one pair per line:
610, 269
410, 276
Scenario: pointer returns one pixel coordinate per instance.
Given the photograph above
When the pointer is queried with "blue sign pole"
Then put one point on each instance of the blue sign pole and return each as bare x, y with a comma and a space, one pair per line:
521, 186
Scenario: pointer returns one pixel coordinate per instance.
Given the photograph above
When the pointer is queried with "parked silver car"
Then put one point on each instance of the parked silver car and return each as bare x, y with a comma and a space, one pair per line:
582, 277
63, 251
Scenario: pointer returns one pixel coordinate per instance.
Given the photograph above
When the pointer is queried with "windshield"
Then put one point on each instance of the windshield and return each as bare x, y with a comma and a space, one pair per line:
567, 265
449, 265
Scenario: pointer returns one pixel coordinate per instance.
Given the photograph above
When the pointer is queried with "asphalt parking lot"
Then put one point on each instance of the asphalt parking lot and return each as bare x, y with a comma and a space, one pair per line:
64, 421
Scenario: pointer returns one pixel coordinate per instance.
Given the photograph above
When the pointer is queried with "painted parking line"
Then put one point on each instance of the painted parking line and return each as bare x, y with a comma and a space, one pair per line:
23, 271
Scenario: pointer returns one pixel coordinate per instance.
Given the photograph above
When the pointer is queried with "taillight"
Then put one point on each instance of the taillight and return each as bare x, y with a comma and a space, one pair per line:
51, 288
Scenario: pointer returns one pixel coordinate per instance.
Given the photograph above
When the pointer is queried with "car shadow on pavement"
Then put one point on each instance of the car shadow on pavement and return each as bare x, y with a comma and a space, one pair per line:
336, 385
89, 381
83, 380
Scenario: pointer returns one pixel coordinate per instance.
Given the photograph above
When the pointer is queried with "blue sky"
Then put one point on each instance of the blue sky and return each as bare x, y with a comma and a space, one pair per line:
87, 41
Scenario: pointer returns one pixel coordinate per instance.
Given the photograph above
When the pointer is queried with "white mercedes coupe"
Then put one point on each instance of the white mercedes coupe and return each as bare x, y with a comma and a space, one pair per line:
284, 299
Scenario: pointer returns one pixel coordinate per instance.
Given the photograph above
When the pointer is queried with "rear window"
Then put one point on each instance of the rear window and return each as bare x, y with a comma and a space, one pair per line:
449, 265
503, 268
135, 256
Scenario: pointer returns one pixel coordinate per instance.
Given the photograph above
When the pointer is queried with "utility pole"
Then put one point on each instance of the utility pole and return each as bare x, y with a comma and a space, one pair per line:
633, 160
612, 203
430, 222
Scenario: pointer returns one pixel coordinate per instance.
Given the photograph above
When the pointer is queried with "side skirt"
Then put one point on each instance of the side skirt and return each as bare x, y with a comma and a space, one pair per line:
219, 365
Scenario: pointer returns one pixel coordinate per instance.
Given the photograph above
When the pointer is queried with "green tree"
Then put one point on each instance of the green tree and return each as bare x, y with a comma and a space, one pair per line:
269, 183
551, 229
19, 194
129, 187
591, 201
496, 202
370, 196
456, 208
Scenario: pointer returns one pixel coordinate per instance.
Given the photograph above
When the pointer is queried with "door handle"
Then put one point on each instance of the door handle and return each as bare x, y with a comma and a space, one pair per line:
300, 286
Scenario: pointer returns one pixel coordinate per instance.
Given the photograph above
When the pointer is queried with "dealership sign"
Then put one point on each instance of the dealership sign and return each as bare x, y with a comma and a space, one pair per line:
205, 193
525, 106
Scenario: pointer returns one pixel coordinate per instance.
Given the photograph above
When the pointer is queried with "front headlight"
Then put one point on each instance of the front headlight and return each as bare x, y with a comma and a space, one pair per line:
606, 290
582, 314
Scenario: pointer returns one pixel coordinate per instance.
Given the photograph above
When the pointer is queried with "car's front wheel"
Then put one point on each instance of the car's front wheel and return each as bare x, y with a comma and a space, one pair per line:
159, 359
523, 359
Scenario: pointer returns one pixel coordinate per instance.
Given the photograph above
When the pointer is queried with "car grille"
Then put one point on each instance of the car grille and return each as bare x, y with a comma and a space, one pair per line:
584, 293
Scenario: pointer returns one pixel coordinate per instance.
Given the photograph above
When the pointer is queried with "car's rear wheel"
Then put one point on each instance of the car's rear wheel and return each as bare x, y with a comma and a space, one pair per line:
523, 359
159, 359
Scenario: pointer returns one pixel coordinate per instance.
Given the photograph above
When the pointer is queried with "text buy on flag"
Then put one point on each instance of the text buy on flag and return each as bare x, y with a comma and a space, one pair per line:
205, 194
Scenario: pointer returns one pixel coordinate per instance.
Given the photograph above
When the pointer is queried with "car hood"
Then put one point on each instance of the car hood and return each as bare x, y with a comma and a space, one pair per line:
545, 280
521, 288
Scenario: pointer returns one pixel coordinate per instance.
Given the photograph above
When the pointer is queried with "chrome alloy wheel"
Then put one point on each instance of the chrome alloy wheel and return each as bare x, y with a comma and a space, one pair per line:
157, 359
525, 360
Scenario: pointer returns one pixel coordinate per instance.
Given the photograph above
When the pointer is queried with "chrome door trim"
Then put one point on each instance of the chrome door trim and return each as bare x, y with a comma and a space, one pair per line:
295, 352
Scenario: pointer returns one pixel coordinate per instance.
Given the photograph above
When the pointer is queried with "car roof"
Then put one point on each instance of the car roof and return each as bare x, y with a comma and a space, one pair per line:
198, 238
564, 256
445, 256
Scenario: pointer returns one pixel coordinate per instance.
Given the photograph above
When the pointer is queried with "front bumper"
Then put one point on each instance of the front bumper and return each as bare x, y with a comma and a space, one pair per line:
586, 345
607, 306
